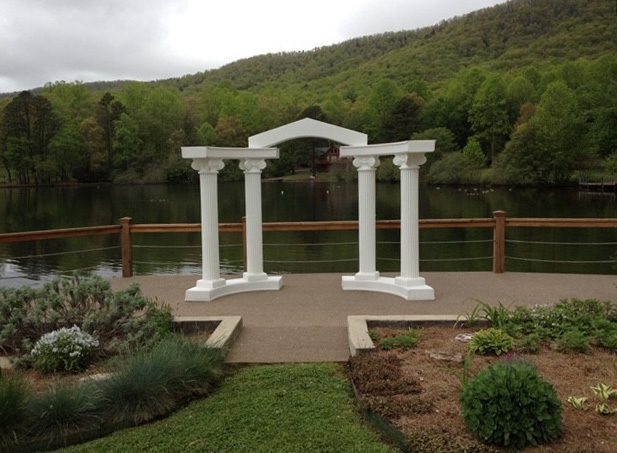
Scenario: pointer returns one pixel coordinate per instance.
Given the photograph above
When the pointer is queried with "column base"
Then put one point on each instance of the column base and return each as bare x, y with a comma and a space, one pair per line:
232, 286
417, 291
372, 276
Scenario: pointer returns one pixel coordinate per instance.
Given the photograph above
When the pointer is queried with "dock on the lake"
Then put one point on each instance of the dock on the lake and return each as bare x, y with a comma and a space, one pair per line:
602, 186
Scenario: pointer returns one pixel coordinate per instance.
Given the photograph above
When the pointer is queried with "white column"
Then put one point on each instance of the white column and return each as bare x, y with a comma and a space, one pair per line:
410, 241
366, 166
208, 174
254, 237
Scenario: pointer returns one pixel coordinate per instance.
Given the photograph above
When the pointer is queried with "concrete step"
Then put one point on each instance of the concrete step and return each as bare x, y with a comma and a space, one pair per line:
283, 344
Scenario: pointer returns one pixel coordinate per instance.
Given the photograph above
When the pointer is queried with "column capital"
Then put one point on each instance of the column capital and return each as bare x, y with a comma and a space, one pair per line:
409, 160
207, 165
366, 163
252, 165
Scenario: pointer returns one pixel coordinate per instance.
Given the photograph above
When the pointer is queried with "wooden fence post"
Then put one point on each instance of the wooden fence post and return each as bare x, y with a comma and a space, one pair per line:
499, 242
127, 247
244, 243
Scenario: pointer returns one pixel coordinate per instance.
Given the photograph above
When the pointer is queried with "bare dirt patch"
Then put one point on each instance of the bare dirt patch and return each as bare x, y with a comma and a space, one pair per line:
423, 394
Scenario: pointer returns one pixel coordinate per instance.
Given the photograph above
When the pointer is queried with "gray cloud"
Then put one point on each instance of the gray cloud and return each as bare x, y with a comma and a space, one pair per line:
73, 40
394, 15
43, 40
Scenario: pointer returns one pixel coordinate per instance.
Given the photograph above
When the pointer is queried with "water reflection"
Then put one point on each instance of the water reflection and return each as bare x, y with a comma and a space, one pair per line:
62, 207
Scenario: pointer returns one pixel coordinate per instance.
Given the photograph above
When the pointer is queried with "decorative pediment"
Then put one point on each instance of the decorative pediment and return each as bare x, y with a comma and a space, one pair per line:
307, 127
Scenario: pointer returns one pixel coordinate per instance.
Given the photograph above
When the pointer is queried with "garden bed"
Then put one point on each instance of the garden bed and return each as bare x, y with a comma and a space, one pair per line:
420, 395
90, 361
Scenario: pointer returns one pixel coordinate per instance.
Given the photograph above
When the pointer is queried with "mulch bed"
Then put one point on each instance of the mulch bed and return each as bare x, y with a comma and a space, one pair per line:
420, 395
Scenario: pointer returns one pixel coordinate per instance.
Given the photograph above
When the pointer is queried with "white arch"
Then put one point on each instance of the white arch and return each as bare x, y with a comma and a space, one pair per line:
307, 127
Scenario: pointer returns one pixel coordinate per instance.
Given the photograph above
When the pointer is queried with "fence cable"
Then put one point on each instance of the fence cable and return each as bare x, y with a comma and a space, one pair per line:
143, 246
280, 244
517, 241
310, 261
70, 252
474, 258
537, 260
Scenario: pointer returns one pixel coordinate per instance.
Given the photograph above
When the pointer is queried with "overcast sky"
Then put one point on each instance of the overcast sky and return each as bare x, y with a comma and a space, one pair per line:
49, 40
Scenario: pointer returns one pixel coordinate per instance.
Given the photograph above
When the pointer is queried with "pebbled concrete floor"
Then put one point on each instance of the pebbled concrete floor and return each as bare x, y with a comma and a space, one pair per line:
306, 320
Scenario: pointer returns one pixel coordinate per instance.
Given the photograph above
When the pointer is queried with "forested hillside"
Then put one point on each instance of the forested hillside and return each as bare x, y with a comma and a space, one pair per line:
523, 92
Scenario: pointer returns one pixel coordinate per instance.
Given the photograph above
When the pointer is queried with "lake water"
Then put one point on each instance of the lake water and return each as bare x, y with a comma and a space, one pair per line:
465, 250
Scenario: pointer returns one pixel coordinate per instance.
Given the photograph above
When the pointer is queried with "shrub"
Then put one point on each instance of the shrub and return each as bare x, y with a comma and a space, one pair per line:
59, 414
121, 320
573, 340
151, 383
13, 400
491, 341
608, 339
551, 322
529, 343
66, 349
510, 404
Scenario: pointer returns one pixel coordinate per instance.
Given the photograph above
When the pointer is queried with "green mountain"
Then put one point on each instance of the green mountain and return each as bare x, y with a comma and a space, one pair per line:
527, 90
508, 36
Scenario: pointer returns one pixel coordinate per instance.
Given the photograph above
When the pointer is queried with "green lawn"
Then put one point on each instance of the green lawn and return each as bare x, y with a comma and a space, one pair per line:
281, 408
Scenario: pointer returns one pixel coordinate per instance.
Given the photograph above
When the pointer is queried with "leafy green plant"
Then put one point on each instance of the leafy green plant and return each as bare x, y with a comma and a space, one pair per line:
573, 340
604, 409
510, 404
149, 384
491, 341
604, 392
607, 339
578, 403
373, 335
65, 349
529, 343
498, 316
470, 319
408, 340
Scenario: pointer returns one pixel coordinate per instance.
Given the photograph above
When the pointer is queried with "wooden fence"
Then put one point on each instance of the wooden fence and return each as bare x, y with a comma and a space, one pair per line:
498, 223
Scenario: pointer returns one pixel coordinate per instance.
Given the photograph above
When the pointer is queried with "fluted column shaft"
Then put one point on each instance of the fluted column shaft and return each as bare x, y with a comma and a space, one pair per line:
254, 231
366, 216
410, 238
208, 175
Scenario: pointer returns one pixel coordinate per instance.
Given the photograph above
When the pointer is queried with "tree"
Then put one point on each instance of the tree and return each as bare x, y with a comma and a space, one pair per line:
29, 124
161, 113
230, 132
546, 148
473, 153
381, 102
206, 135
404, 119
445, 143
127, 144
519, 92
67, 150
489, 115
108, 112
95, 161
559, 125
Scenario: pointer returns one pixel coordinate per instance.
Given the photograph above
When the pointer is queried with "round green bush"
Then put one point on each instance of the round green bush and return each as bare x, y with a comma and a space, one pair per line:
509, 404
